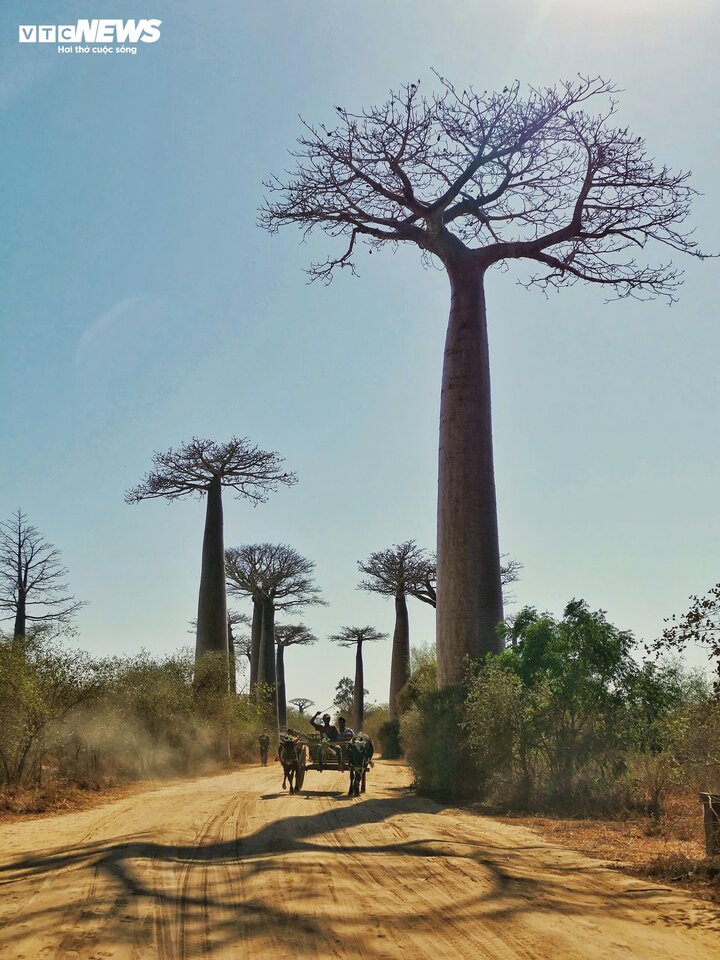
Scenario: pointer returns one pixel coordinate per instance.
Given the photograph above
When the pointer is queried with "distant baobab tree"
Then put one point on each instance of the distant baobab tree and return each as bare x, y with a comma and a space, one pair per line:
202, 468
396, 572
237, 644
301, 704
33, 580
478, 180
356, 637
276, 577
287, 635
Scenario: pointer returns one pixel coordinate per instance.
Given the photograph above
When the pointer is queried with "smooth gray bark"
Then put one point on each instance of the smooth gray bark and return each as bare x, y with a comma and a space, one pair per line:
359, 691
400, 662
212, 603
280, 682
266, 659
469, 592
255, 631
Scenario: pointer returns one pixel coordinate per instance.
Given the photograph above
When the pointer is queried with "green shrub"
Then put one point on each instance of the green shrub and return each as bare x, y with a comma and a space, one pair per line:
433, 745
41, 685
388, 737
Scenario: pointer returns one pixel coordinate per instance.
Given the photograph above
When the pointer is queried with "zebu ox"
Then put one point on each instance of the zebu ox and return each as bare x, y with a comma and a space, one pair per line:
293, 756
359, 756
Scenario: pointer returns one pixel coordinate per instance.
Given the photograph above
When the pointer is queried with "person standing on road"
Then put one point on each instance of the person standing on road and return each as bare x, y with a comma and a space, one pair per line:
264, 741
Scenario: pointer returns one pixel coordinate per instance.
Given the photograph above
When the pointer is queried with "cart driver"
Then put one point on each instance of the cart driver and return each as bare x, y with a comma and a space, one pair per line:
329, 733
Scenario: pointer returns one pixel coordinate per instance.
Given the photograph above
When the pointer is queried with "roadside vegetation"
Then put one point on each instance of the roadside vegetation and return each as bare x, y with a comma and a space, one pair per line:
68, 720
571, 731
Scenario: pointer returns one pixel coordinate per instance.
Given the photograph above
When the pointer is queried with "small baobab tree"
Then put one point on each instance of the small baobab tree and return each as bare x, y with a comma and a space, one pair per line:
33, 581
287, 635
301, 704
396, 572
276, 577
203, 468
238, 643
356, 637
479, 180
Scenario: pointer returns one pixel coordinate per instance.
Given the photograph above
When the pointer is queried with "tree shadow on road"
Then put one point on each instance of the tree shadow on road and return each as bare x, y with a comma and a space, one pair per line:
291, 883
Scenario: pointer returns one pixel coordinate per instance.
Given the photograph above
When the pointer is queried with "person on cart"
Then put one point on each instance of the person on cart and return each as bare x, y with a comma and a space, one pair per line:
344, 732
329, 735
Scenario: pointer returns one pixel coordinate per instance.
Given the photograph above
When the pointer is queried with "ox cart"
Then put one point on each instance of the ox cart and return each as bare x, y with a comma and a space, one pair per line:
320, 754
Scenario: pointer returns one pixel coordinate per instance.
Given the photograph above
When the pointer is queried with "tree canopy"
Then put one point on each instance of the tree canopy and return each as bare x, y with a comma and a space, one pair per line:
33, 580
190, 469
505, 175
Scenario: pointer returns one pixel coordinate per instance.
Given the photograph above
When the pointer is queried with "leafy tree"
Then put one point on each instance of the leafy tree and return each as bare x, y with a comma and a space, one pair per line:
40, 685
345, 696
287, 635
699, 625
563, 703
356, 637
202, 468
276, 577
33, 585
478, 180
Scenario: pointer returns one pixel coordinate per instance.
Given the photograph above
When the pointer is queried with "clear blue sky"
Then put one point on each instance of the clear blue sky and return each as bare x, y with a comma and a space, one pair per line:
141, 305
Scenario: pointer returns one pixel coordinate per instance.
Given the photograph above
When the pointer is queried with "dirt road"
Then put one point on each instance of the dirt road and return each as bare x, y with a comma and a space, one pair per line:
230, 867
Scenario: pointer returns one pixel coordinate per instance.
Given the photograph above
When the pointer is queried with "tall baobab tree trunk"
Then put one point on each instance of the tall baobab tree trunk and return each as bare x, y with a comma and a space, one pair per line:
266, 658
469, 593
280, 682
212, 634
359, 690
255, 631
400, 663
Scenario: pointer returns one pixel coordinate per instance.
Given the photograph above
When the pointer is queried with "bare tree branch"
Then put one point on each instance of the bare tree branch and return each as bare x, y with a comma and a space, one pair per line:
250, 471
496, 175
33, 584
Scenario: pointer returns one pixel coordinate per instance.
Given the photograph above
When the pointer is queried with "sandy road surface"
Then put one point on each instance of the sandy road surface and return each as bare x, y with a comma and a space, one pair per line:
230, 867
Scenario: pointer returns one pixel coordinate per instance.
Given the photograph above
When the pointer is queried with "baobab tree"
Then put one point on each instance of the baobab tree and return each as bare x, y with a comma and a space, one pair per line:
276, 577
287, 635
356, 637
203, 468
424, 586
237, 643
477, 180
407, 570
394, 573
33, 580
301, 704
